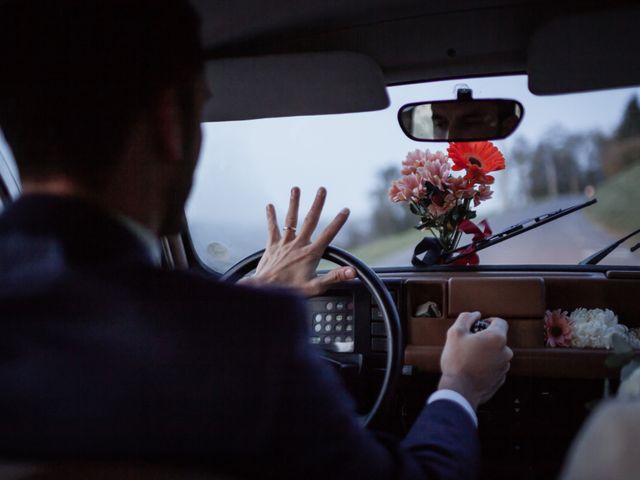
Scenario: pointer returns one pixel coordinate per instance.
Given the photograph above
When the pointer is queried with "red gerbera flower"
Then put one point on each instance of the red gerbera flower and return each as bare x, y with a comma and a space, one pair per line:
477, 158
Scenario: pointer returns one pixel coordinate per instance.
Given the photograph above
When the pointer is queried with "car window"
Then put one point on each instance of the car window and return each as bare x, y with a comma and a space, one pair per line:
568, 149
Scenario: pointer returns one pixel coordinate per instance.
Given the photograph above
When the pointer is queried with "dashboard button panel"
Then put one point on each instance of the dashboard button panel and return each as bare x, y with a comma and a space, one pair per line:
332, 323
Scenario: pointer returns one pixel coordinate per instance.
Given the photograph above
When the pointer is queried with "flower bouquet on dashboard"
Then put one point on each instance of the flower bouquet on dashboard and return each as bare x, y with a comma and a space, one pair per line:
444, 202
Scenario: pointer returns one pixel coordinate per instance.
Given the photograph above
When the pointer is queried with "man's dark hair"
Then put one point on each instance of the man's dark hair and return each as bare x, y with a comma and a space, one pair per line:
77, 73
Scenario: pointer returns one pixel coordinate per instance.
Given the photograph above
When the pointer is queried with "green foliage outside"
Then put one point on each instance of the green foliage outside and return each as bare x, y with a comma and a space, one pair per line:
618, 206
630, 124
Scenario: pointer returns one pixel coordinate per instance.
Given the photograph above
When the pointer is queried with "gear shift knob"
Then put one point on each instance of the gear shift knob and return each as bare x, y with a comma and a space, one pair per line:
479, 325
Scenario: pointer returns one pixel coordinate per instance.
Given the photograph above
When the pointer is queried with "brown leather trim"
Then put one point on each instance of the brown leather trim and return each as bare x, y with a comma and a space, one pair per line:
529, 362
522, 301
510, 297
624, 274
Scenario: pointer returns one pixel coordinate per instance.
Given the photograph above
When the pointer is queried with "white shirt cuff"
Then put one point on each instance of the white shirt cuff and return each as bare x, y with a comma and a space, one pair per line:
454, 397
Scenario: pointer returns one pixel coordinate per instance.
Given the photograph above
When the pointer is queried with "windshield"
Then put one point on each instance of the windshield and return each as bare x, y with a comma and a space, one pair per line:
567, 149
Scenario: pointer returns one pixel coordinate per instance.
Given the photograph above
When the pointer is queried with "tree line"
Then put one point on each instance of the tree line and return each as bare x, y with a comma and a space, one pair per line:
566, 162
561, 162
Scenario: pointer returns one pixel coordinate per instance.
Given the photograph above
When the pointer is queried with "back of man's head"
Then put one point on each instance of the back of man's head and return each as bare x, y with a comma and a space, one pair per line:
77, 73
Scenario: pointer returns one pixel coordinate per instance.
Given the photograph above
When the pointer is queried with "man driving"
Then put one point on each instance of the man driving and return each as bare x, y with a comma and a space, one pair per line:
107, 356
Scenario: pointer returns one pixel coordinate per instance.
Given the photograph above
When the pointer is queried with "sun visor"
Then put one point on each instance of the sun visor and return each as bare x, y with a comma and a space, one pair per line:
293, 84
585, 52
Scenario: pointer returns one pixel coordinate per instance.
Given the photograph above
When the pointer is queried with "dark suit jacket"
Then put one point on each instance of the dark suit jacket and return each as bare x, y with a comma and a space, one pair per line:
102, 355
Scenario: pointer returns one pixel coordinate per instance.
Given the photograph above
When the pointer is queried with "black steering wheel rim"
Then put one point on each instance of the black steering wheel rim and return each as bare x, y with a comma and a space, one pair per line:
380, 295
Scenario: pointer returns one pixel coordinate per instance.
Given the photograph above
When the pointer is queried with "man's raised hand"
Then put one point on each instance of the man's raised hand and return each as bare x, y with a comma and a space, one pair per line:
291, 258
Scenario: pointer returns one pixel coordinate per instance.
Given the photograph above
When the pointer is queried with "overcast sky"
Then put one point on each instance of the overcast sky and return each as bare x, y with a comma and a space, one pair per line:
245, 165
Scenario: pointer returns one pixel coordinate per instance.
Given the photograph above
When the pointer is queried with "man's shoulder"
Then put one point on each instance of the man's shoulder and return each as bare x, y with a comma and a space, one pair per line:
195, 294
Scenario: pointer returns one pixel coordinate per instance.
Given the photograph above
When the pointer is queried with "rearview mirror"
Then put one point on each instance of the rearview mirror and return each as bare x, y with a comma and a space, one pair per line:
460, 120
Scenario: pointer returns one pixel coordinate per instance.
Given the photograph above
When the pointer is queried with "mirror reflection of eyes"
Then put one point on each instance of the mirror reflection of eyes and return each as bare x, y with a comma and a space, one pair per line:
439, 121
479, 120
475, 118
461, 120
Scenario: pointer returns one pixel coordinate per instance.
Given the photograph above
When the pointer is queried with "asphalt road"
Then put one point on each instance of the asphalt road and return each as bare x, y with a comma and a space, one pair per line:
564, 241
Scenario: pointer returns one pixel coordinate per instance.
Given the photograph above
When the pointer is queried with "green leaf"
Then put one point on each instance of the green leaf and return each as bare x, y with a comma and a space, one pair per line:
414, 209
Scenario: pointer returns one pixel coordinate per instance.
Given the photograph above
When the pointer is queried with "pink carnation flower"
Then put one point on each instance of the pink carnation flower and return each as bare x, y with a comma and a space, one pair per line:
414, 160
418, 159
461, 187
436, 171
409, 187
441, 204
483, 193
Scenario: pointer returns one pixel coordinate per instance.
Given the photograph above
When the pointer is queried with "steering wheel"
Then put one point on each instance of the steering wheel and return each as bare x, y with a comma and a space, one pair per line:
378, 292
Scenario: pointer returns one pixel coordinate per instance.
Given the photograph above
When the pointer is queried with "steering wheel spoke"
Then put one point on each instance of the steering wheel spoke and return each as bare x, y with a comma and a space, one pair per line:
344, 363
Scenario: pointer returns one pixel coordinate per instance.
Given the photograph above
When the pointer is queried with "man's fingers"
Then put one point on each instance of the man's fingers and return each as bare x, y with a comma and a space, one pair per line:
499, 325
312, 218
329, 233
291, 220
507, 368
509, 354
273, 231
320, 284
465, 321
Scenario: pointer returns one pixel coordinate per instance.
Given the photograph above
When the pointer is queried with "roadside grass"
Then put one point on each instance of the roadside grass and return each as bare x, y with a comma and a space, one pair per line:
618, 206
373, 252
376, 250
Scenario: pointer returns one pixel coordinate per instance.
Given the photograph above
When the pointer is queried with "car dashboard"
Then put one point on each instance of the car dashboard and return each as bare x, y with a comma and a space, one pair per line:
527, 427
346, 320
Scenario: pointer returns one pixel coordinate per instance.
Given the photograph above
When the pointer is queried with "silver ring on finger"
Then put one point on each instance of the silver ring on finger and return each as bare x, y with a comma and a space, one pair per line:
292, 229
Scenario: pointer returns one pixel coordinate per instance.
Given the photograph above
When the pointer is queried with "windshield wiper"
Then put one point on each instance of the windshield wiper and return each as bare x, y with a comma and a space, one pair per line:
596, 257
515, 230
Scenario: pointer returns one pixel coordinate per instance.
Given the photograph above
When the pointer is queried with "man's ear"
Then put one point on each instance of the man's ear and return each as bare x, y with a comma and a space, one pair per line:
165, 117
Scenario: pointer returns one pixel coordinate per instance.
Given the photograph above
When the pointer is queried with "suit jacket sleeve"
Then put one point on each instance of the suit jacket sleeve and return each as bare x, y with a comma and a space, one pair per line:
316, 433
